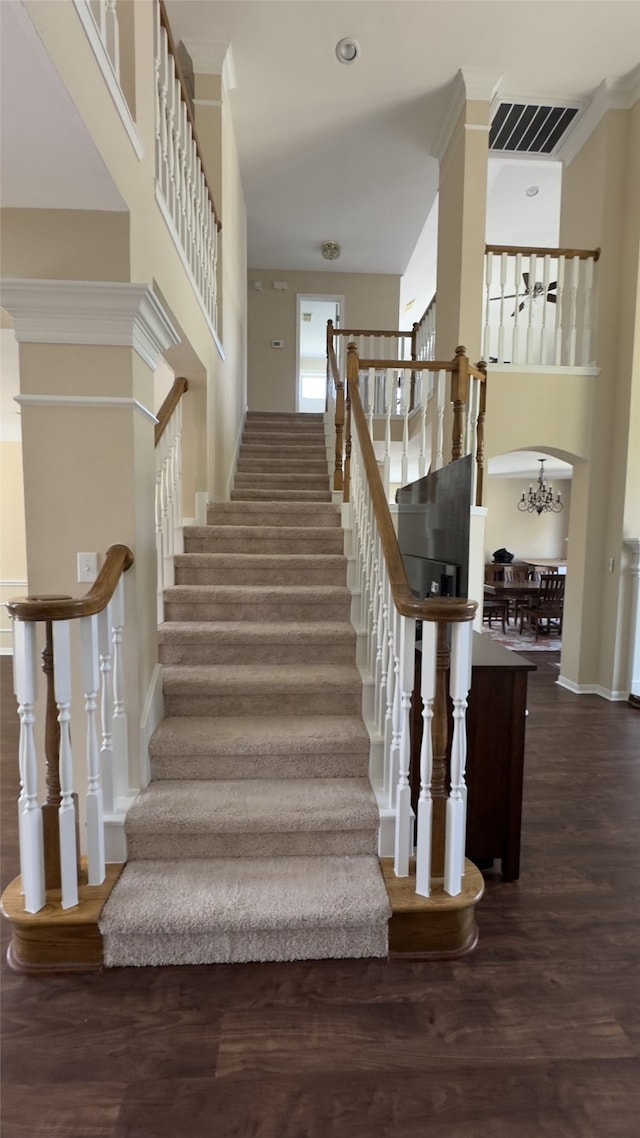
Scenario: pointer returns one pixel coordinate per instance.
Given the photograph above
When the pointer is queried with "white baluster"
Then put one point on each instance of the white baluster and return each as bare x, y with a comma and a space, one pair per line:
459, 684
503, 282
424, 828
573, 312
159, 546
120, 743
587, 358
29, 812
532, 284
488, 271
422, 460
386, 469
107, 765
94, 804
542, 356
112, 39
403, 840
66, 810
404, 410
557, 356
384, 658
439, 420
389, 780
396, 717
515, 343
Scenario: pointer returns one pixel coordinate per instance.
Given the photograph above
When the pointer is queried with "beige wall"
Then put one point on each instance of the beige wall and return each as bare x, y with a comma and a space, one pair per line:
527, 536
61, 244
13, 558
370, 301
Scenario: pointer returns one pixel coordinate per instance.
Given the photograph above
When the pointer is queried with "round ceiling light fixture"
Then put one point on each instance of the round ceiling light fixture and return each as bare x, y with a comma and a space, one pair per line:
532, 191
347, 50
330, 250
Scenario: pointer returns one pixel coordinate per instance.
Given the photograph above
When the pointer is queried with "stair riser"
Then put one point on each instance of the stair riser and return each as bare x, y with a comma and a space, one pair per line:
273, 494
277, 544
286, 515
351, 843
284, 439
290, 467
314, 452
255, 575
219, 610
267, 766
261, 479
256, 654
332, 701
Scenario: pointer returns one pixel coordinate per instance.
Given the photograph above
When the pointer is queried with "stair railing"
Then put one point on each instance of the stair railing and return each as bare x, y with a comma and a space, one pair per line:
182, 190
168, 500
539, 306
389, 611
424, 333
48, 832
414, 393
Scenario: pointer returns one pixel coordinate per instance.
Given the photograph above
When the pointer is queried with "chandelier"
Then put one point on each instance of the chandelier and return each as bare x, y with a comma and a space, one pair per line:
540, 497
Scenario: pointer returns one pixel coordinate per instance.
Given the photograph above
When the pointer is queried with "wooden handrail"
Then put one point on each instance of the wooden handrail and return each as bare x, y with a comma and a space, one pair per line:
118, 559
455, 609
164, 21
180, 385
410, 365
370, 332
543, 251
338, 478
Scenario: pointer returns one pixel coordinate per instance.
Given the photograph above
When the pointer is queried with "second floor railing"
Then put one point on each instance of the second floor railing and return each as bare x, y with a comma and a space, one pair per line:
538, 306
49, 831
182, 189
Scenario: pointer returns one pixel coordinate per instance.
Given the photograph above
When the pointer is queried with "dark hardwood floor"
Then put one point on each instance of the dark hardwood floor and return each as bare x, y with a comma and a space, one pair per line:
535, 1035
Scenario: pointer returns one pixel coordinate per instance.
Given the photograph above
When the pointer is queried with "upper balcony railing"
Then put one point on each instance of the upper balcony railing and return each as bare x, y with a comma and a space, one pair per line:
538, 306
182, 190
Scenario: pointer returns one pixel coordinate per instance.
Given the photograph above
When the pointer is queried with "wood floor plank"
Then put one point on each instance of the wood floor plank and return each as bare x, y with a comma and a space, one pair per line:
536, 1034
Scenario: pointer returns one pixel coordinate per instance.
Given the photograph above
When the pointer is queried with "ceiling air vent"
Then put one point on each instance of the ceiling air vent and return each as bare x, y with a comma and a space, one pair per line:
525, 128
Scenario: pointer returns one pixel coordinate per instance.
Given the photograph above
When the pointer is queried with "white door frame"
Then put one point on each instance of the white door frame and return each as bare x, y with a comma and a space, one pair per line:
334, 297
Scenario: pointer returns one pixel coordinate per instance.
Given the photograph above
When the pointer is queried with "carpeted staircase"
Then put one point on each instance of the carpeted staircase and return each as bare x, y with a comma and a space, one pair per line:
256, 838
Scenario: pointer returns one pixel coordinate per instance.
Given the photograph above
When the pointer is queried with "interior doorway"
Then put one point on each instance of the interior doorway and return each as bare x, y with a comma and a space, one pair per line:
311, 357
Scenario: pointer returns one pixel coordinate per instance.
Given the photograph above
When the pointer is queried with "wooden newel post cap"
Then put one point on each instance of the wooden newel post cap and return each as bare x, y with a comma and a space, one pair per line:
461, 350
49, 597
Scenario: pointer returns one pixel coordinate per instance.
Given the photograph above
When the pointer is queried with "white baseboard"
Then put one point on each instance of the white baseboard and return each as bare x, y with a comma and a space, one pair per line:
592, 689
115, 838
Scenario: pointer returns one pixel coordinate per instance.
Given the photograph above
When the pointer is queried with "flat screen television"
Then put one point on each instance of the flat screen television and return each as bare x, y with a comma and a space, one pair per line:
433, 530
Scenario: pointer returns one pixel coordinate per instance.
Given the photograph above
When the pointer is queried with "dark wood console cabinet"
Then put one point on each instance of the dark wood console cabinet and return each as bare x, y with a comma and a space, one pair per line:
496, 718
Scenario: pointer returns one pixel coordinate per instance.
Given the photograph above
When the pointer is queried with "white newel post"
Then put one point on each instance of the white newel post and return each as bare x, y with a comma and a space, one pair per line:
459, 684
105, 645
94, 803
29, 811
120, 740
67, 810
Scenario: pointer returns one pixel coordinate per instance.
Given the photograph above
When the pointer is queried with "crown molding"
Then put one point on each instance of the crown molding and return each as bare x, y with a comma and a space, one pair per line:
106, 402
469, 85
609, 96
106, 313
209, 58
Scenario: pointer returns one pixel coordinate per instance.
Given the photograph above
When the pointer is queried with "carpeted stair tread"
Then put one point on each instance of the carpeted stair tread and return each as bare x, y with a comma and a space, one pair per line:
274, 494
260, 642
266, 539
236, 910
257, 569
280, 464
261, 689
282, 479
288, 514
258, 736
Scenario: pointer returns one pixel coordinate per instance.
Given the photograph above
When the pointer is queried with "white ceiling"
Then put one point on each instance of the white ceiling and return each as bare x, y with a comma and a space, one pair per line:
313, 133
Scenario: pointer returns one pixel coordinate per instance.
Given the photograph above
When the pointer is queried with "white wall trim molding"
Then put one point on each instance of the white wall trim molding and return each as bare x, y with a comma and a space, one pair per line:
470, 85
209, 58
592, 689
85, 16
208, 103
541, 369
164, 209
94, 402
609, 96
6, 584
106, 313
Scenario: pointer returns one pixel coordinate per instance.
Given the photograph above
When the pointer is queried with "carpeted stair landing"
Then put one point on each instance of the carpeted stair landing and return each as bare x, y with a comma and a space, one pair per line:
256, 838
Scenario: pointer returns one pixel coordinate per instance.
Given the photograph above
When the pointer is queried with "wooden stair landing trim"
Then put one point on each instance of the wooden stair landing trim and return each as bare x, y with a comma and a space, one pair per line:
57, 939
438, 927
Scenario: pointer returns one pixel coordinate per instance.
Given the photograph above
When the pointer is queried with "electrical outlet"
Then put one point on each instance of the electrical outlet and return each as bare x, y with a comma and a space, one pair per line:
87, 567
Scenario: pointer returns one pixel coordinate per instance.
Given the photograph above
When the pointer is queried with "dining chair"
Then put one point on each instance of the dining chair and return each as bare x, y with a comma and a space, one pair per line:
545, 606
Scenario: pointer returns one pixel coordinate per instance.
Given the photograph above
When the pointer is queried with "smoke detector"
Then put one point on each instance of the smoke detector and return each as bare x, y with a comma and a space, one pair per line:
330, 250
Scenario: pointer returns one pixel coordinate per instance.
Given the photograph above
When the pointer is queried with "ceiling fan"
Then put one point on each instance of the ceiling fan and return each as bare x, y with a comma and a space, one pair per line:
531, 292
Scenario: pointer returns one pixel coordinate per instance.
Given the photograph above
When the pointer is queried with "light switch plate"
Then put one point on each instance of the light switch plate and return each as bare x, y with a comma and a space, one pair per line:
87, 567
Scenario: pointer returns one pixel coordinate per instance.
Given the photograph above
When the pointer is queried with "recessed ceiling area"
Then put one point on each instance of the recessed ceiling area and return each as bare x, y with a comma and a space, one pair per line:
348, 151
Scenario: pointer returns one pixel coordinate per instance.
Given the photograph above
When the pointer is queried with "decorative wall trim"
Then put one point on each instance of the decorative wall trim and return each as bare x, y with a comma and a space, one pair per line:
111, 313
106, 402
187, 268
470, 85
609, 96
85, 16
592, 689
210, 58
